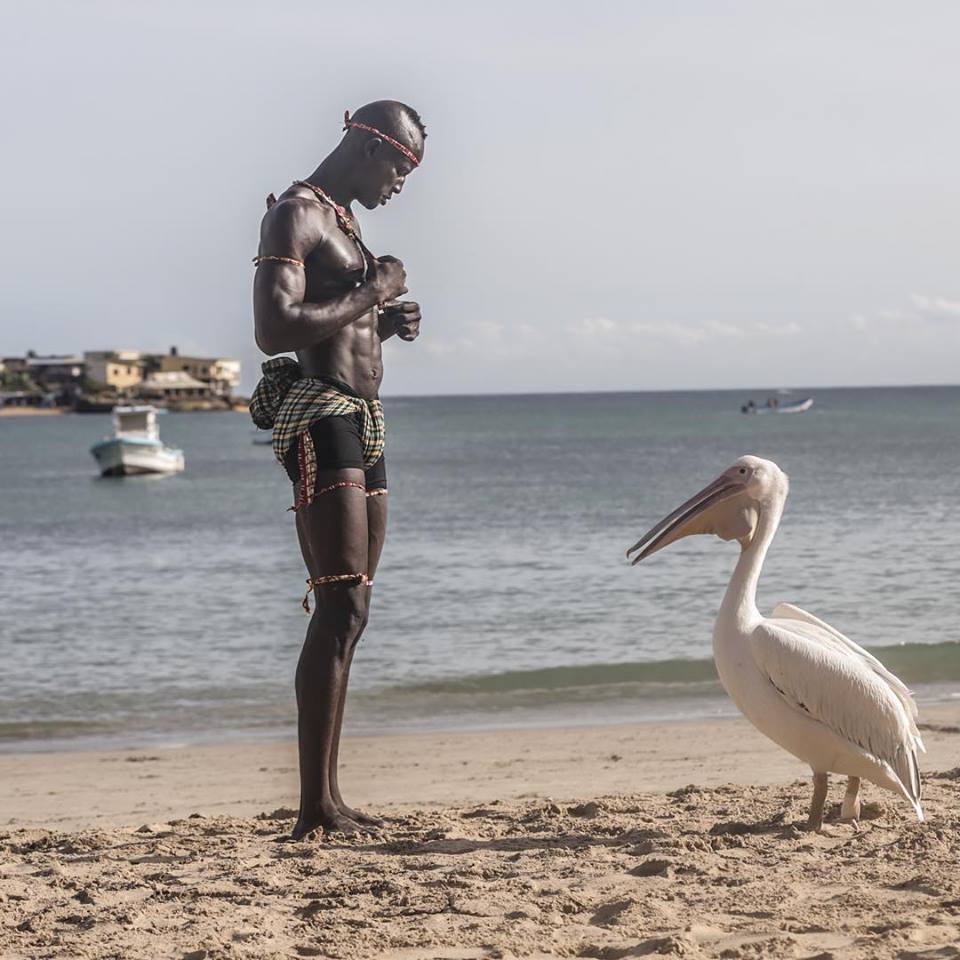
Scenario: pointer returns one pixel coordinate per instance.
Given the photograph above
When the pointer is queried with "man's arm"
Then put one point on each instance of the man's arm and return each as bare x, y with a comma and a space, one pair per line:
283, 321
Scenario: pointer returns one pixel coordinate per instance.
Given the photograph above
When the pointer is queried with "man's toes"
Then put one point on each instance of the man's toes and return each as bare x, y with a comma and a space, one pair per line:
331, 822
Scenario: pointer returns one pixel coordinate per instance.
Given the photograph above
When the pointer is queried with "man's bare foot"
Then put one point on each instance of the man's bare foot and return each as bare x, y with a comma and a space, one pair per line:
358, 816
330, 820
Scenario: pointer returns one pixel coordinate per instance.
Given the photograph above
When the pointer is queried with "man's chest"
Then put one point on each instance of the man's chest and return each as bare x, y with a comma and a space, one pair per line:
338, 261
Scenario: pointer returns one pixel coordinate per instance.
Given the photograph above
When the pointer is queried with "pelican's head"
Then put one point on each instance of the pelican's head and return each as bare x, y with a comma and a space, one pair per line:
730, 507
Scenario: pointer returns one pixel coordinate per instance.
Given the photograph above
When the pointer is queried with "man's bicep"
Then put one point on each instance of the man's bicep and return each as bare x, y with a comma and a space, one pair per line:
278, 291
277, 285
288, 234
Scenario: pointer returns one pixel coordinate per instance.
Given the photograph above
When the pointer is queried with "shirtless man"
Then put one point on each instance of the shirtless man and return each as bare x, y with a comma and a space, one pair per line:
319, 292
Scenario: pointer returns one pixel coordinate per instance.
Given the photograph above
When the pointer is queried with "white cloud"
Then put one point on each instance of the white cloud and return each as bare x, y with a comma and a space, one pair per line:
596, 327
936, 307
599, 328
922, 311
676, 332
791, 329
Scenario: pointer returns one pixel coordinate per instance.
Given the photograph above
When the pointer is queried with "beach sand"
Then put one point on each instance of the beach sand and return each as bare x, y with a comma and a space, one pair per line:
602, 842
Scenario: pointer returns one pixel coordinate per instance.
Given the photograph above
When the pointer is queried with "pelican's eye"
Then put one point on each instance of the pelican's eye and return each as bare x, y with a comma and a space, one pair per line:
743, 470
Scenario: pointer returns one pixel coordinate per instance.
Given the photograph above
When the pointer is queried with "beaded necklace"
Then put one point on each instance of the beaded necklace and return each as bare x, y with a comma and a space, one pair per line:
344, 222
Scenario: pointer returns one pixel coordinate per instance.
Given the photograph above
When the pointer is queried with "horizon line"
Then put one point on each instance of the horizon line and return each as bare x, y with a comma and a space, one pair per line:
613, 392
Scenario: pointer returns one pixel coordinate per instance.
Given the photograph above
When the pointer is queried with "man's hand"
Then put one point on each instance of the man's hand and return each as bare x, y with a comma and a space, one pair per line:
388, 278
403, 318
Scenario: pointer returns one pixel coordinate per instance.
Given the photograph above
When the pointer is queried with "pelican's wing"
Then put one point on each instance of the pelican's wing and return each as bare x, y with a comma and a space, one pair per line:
819, 677
821, 632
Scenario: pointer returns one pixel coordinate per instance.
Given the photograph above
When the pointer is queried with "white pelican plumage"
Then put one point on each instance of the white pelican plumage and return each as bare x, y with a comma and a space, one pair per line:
803, 684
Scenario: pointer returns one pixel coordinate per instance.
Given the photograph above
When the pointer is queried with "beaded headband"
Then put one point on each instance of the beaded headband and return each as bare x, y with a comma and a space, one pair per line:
396, 144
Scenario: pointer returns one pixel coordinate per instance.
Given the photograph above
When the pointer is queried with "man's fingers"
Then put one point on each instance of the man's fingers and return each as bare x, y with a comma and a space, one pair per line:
409, 306
408, 328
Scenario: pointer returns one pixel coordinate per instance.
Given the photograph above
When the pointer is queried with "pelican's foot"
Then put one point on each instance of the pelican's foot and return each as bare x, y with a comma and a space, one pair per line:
815, 819
850, 808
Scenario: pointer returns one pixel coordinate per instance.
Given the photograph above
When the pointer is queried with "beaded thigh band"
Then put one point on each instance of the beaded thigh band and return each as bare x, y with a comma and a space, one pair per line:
339, 486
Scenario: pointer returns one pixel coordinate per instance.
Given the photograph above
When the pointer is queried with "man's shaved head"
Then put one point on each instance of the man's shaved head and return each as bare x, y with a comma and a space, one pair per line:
393, 118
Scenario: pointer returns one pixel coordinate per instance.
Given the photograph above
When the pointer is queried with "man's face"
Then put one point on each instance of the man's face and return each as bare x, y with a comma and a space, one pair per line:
386, 171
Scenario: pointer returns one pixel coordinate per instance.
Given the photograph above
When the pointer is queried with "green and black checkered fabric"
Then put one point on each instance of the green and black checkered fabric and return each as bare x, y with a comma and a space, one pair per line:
289, 402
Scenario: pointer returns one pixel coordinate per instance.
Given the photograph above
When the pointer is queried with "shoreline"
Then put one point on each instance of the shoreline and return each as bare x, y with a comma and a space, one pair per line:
13, 412
366, 721
34, 411
402, 771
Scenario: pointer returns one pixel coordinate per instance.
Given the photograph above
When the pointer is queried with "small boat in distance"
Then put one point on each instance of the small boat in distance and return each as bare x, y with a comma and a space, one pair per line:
773, 405
135, 447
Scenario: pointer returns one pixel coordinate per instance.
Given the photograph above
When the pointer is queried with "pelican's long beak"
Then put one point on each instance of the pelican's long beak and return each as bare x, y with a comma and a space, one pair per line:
702, 513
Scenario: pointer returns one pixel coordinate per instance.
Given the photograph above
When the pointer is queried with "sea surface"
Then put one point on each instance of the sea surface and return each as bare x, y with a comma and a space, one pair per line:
161, 611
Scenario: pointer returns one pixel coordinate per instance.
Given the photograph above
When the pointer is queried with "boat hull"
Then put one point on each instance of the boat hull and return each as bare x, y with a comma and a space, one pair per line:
802, 407
128, 458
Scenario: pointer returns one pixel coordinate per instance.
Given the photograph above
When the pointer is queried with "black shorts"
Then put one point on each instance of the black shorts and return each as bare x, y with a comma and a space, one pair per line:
337, 443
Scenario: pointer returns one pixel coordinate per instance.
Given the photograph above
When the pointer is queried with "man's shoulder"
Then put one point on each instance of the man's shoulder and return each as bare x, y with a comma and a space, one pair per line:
293, 212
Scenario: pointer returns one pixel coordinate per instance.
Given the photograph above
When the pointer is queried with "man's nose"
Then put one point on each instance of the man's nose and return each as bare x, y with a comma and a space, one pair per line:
398, 186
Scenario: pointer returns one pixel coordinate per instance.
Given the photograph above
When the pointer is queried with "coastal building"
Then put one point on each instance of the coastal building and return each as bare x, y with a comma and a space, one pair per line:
220, 374
100, 378
16, 387
60, 376
166, 385
13, 366
114, 369
20, 398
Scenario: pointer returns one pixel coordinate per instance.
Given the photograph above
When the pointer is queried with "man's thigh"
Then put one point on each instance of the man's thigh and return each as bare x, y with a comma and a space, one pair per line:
333, 529
376, 530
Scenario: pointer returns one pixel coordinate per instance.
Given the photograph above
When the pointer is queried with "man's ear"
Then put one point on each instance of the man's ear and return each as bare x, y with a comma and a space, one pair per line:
372, 147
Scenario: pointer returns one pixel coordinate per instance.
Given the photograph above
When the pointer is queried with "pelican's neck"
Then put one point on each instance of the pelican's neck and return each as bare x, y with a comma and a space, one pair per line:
740, 601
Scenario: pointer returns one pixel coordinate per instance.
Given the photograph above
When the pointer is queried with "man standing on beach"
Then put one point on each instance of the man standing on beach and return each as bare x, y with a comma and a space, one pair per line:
321, 293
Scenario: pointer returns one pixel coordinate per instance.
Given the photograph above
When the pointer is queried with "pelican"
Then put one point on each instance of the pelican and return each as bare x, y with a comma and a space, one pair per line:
801, 683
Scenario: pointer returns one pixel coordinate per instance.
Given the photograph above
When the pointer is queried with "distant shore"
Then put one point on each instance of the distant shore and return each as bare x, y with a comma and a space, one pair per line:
33, 411
240, 407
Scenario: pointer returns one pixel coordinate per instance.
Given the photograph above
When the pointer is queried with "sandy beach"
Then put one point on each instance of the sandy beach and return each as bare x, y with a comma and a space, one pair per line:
603, 842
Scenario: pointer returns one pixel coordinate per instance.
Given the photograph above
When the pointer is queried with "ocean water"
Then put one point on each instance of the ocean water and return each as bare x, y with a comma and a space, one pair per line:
143, 611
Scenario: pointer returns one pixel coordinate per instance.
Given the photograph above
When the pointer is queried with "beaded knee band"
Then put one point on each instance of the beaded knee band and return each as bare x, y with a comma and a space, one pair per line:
360, 579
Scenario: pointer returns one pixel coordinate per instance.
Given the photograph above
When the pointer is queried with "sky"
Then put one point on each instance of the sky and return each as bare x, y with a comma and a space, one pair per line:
615, 196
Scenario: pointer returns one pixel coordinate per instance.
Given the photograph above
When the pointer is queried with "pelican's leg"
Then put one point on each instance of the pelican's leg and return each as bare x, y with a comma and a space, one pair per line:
815, 820
851, 802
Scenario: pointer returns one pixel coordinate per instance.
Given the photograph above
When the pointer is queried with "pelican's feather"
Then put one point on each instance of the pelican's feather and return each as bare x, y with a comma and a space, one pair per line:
820, 632
837, 684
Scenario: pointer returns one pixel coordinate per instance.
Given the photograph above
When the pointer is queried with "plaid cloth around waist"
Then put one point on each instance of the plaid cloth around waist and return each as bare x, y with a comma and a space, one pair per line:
289, 402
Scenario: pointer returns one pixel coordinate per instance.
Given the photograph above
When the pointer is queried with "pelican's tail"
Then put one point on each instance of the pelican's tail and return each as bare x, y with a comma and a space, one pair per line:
905, 774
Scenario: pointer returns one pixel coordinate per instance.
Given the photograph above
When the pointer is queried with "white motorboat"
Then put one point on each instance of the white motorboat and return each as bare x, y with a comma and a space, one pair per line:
775, 406
135, 447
